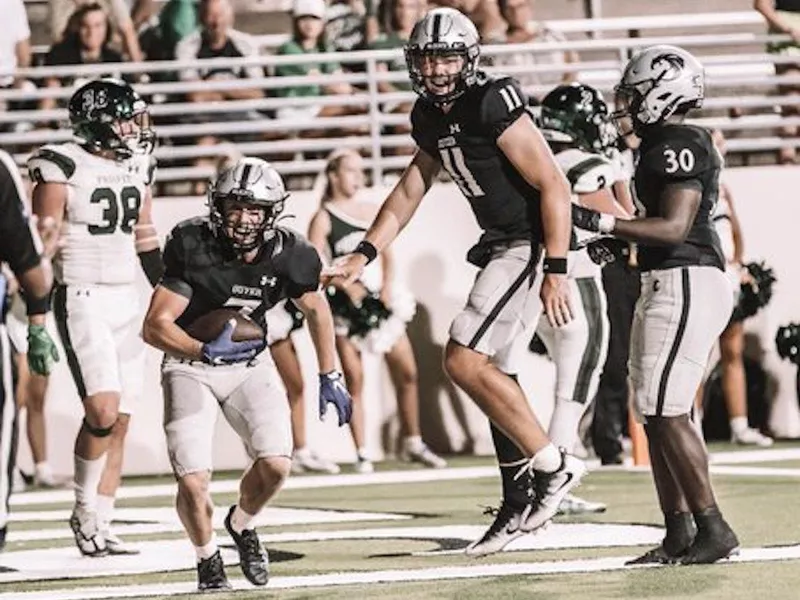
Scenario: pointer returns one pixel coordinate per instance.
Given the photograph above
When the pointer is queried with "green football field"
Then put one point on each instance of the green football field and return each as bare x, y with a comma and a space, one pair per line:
400, 533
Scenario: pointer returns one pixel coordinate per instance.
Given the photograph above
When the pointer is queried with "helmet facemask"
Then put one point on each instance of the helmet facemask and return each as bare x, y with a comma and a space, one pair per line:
441, 74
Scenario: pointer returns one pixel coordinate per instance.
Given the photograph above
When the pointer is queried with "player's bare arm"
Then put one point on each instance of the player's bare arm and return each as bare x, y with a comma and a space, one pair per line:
146, 241
160, 329
394, 214
48, 203
679, 206
320, 325
603, 200
524, 146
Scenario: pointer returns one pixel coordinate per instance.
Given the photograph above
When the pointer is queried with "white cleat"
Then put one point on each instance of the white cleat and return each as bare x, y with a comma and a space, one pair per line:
572, 505
752, 437
504, 530
88, 537
118, 547
307, 461
423, 456
364, 465
550, 489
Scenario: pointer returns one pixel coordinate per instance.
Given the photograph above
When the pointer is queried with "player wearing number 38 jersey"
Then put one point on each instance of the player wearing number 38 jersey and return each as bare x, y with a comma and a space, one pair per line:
92, 198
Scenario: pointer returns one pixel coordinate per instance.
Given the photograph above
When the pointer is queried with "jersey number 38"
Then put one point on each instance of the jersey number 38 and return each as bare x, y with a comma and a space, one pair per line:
118, 211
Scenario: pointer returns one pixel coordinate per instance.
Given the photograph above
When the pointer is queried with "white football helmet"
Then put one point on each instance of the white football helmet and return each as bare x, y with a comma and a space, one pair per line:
658, 82
443, 32
251, 183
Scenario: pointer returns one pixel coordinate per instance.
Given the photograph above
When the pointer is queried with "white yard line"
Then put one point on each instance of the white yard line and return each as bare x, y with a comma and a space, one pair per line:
388, 576
229, 486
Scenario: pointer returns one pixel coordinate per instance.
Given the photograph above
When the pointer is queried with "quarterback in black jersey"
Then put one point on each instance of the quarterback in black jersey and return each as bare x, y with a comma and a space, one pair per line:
238, 258
477, 128
686, 300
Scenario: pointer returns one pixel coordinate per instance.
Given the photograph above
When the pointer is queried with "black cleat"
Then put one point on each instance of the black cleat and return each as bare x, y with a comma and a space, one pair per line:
656, 556
715, 539
253, 557
681, 532
211, 574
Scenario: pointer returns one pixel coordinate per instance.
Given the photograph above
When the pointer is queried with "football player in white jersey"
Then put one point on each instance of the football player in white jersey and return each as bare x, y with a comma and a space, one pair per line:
95, 192
575, 121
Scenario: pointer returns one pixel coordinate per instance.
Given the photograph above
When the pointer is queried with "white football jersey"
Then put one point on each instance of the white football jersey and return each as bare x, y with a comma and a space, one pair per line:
586, 173
103, 200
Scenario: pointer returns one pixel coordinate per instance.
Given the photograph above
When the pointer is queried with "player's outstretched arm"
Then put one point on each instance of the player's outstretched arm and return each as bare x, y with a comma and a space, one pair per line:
394, 214
320, 325
160, 329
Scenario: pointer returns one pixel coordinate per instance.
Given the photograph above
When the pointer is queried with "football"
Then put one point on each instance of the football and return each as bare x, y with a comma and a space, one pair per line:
207, 327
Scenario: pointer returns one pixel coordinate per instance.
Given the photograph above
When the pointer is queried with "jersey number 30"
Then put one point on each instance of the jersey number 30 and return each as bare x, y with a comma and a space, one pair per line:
122, 211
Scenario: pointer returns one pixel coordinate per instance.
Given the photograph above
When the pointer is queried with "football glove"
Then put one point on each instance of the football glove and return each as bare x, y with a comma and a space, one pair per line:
333, 391
607, 250
223, 350
591, 220
42, 351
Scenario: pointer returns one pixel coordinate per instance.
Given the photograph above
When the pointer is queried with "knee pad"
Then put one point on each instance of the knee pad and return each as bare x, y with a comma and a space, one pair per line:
99, 432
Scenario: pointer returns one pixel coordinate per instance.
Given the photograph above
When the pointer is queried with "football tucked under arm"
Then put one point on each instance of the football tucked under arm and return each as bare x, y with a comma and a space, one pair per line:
207, 327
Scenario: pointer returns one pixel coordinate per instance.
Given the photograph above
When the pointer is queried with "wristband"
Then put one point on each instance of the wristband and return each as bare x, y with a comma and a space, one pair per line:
37, 306
555, 266
367, 250
606, 223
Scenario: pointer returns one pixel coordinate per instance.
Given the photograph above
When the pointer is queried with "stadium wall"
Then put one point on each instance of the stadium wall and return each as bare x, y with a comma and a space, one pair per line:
430, 261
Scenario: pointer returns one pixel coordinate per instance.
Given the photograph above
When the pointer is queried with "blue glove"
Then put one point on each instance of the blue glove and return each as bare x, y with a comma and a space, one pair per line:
331, 389
223, 350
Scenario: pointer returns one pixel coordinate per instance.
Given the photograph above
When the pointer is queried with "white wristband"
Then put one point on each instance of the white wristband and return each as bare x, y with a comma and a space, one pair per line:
607, 223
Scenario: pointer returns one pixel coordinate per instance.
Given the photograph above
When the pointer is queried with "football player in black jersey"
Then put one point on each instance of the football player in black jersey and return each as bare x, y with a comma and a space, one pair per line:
238, 258
686, 299
477, 129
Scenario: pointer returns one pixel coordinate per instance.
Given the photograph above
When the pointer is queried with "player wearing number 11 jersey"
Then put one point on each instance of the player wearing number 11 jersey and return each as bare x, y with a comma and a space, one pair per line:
93, 202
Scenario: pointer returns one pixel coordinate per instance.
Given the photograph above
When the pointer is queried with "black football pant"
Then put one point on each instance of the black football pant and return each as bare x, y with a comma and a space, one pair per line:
621, 284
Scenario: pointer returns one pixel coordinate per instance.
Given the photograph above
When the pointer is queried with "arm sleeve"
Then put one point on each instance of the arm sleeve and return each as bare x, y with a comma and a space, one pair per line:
503, 103
174, 278
17, 244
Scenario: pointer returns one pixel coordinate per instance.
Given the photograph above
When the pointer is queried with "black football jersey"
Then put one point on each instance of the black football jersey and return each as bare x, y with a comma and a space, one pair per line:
203, 268
677, 154
465, 141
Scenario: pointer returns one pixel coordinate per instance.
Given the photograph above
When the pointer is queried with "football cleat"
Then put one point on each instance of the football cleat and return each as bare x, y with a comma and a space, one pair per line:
572, 505
88, 537
656, 556
422, 455
211, 574
253, 558
117, 546
751, 437
504, 530
715, 540
306, 461
364, 465
550, 489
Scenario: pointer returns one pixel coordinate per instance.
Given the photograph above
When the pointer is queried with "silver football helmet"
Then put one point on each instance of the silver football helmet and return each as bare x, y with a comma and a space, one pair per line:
658, 82
253, 185
443, 33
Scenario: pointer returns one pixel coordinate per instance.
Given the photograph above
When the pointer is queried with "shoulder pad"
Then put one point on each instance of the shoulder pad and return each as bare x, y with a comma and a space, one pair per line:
682, 153
502, 104
51, 164
585, 171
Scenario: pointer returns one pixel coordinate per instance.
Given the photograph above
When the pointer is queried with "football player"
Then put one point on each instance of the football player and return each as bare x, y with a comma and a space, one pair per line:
236, 257
686, 299
478, 129
93, 201
575, 121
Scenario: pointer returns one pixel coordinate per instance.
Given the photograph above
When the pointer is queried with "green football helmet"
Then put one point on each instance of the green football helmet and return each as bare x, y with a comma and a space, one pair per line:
107, 114
576, 114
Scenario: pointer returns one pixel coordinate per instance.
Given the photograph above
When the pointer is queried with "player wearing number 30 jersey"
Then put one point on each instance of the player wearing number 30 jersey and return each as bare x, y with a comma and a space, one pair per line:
92, 198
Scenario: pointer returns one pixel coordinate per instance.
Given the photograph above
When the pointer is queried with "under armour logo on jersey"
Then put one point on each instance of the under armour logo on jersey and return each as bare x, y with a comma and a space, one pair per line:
455, 128
270, 281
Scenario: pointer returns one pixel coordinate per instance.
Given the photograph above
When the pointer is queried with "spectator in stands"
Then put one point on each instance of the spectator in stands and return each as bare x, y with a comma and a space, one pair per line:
783, 16
63, 22
217, 38
351, 24
88, 45
15, 52
399, 19
308, 37
141, 12
523, 29
177, 20
484, 13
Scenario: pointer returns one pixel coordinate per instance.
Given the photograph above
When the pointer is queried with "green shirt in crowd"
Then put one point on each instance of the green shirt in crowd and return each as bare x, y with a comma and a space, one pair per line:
292, 47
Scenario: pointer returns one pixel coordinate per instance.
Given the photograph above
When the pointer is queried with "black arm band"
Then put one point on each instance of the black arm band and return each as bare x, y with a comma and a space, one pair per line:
556, 266
37, 306
367, 249
152, 265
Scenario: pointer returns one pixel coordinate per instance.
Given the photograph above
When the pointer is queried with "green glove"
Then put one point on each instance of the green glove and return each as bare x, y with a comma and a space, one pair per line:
42, 351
